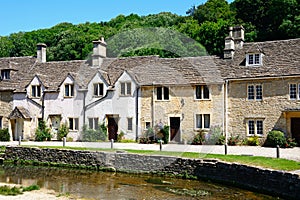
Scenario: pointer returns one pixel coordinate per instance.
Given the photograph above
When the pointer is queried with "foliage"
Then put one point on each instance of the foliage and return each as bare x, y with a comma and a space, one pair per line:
148, 137
253, 141
4, 135
290, 143
43, 132
199, 138
10, 191
91, 135
31, 188
62, 132
120, 136
233, 140
275, 138
215, 136
165, 132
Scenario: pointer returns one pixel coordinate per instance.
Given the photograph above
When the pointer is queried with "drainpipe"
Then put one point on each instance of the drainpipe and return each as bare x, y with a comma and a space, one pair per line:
137, 114
43, 105
84, 108
152, 105
226, 111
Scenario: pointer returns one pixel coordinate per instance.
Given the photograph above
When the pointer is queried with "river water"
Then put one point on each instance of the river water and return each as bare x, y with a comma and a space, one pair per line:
105, 185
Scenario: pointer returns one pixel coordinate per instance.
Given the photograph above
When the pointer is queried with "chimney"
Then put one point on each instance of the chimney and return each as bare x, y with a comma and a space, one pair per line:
229, 45
238, 35
41, 52
99, 52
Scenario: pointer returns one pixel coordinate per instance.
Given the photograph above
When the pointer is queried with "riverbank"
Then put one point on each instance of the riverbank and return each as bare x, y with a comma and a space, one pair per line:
278, 183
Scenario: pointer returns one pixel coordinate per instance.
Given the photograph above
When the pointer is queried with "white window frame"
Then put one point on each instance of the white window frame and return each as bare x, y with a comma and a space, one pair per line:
71, 90
202, 121
74, 126
127, 89
98, 89
130, 124
93, 123
202, 92
36, 91
255, 128
257, 96
297, 93
163, 95
254, 59
5, 74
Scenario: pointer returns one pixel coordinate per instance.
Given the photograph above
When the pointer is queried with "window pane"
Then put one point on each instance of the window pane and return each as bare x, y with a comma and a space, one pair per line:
67, 92
258, 92
76, 124
129, 120
91, 123
205, 92
198, 121
166, 93
259, 127
128, 88
251, 127
293, 91
206, 121
71, 123
250, 59
250, 92
33, 92
38, 90
96, 123
122, 88
198, 92
100, 88
148, 125
1, 121
96, 89
72, 90
159, 93
256, 59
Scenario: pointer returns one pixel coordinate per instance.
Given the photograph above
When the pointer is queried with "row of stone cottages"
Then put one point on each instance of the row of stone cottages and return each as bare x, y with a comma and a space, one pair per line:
252, 89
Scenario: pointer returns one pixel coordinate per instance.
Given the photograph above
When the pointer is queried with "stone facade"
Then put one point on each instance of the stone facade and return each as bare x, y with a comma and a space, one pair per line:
6, 106
275, 109
276, 183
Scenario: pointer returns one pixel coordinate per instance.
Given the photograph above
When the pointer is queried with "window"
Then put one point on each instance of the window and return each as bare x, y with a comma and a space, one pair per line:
93, 123
73, 124
293, 91
69, 90
253, 59
35, 91
126, 89
255, 127
202, 121
202, 92
147, 125
129, 124
255, 92
5, 74
162, 93
98, 89
1, 121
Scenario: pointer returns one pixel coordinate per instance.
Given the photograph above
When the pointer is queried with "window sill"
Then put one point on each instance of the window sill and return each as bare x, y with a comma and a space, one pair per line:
68, 97
162, 100
252, 135
201, 129
202, 99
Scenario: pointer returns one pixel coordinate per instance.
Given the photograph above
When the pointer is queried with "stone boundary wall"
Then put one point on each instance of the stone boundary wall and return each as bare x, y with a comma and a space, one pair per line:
276, 183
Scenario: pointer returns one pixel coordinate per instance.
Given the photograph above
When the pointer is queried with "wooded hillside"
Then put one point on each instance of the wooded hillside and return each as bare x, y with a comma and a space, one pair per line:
206, 23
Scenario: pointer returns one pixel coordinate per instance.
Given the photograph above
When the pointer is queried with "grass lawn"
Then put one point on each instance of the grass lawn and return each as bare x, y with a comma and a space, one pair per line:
271, 163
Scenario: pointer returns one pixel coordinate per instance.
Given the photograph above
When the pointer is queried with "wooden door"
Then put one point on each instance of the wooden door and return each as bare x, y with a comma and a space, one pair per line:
112, 128
295, 129
175, 129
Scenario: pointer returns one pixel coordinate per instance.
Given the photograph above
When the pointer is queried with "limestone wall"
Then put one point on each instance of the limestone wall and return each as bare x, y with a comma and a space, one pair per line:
5, 107
277, 183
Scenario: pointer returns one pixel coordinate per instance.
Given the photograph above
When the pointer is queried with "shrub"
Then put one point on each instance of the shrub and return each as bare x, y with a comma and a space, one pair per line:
90, 135
4, 135
199, 138
120, 136
42, 133
290, 143
252, 141
275, 138
233, 140
62, 132
165, 132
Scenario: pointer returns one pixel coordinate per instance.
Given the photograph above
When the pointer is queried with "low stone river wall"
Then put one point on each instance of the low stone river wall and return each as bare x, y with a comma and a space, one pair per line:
279, 183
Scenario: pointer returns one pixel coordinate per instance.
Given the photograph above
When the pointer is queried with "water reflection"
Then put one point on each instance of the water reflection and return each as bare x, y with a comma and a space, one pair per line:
100, 185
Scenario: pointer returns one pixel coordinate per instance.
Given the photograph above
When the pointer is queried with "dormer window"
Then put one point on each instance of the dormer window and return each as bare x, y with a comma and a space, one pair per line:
69, 90
35, 91
254, 59
5, 74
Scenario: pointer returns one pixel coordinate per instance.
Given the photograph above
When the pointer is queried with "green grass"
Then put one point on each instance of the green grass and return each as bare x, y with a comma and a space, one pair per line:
271, 163
13, 191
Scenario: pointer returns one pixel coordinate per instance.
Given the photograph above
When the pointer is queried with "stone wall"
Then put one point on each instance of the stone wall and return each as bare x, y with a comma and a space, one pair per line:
5, 107
277, 183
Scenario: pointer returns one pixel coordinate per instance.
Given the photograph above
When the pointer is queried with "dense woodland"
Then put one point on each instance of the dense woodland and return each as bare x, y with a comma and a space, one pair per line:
207, 24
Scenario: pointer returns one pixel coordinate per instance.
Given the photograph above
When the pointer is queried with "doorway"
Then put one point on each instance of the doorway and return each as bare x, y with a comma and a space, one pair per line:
112, 127
175, 129
295, 129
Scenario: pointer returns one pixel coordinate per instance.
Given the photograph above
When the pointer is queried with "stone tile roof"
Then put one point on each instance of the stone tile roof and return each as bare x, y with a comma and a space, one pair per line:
280, 58
20, 112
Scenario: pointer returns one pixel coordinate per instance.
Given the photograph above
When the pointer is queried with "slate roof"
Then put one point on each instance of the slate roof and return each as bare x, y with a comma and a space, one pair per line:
280, 58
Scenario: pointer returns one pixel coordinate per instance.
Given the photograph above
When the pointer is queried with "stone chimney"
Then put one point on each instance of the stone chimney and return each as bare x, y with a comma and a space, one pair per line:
99, 52
234, 41
41, 52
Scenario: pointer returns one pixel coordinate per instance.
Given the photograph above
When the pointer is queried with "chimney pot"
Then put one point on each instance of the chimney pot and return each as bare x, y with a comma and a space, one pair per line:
99, 51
